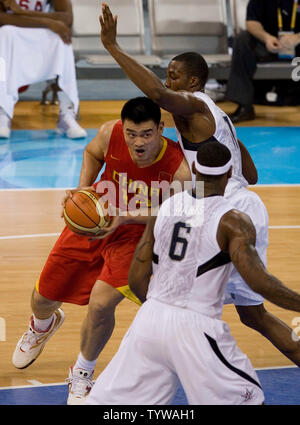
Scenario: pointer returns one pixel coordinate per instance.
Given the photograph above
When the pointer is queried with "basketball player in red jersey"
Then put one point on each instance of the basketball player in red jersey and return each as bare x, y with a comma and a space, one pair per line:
81, 271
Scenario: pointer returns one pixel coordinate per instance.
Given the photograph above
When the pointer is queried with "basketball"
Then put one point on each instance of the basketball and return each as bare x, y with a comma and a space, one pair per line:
85, 213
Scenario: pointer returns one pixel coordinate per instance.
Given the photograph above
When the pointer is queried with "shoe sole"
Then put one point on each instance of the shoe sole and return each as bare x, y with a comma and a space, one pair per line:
40, 352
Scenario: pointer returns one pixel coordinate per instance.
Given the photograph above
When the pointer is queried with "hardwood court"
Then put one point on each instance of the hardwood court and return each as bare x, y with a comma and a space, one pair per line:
30, 220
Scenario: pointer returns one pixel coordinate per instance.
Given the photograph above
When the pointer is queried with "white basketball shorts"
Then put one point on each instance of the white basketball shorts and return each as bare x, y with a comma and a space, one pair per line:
237, 291
167, 344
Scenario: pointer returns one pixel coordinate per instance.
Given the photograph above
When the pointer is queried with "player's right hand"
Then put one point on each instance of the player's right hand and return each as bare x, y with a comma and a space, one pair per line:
62, 30
108, 24
69, 194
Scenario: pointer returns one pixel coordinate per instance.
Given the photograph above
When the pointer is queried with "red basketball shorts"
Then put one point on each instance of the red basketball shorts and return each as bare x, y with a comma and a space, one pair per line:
74, 265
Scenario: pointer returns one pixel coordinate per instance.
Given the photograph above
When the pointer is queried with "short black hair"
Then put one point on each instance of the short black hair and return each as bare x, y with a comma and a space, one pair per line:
212, 154
195, 66
141, 109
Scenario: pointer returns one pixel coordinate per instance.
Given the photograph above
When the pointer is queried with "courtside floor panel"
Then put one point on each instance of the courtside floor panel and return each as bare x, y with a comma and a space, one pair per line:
42, 159
281, 387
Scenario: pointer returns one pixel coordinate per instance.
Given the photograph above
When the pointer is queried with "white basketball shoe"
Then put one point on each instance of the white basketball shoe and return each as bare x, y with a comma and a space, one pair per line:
68, 125
80, 383
5, 124
32, 342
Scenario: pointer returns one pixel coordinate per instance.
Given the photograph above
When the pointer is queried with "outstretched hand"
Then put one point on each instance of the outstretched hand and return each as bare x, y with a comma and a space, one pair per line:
108, 24
69, 193
116, 221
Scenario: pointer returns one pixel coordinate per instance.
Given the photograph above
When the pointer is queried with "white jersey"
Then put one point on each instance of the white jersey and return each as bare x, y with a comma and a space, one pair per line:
189, 269
35, 5
225, 133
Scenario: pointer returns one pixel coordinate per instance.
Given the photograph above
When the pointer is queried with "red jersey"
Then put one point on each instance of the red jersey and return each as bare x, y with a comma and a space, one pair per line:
135, 186
75, 262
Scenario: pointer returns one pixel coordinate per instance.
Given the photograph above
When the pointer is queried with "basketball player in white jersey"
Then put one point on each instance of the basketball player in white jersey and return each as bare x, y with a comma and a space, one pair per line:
178, 334
199, 120
35, 46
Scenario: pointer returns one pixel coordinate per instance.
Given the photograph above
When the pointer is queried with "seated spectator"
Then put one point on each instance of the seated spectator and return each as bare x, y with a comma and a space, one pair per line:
272, 34
35, 46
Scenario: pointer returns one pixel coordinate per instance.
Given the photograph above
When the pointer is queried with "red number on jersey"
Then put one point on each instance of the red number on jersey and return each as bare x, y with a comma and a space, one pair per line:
24, 4
38, 6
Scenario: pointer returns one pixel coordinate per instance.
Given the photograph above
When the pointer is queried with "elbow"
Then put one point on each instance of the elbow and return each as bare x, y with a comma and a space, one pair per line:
138, 283
136, 289
253, 178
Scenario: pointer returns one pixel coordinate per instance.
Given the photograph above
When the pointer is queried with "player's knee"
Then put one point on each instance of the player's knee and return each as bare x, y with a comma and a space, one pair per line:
100, 311
38, 301
252, 316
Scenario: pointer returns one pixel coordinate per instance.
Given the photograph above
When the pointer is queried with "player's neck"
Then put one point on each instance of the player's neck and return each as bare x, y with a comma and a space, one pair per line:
212, 189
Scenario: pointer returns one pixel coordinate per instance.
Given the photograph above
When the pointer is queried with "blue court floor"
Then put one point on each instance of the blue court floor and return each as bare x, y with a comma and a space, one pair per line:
281, 387
42, 159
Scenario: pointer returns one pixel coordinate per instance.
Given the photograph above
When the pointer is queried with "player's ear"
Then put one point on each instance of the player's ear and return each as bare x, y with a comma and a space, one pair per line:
229, 173
161, 127
194, 82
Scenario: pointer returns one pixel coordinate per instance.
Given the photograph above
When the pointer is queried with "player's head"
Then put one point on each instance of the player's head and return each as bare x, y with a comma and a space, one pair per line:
213, 164
187, 71
142, 127
141, 109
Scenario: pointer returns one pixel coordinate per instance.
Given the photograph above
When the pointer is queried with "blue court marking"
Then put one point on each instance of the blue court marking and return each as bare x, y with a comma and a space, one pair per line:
281, 387
42, 159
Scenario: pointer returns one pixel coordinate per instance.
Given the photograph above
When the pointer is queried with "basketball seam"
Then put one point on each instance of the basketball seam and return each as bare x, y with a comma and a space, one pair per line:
86, 214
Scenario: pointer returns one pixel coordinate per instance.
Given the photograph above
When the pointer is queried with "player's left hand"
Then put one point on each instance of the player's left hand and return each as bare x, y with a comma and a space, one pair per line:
116, 221
108, 24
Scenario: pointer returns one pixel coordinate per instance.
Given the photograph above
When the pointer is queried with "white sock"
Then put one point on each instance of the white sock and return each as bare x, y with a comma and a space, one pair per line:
41, 325
82, 363
65, 104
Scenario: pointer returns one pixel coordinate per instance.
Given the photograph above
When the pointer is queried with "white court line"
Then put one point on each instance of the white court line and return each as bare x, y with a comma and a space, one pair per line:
285, 227
42, 235
41, 189
37, 235
30, 386
64, 383
34, 382
276, 367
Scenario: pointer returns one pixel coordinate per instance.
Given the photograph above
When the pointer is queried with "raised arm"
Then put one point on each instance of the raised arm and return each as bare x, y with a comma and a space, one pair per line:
178, 103
236, 234
141, 265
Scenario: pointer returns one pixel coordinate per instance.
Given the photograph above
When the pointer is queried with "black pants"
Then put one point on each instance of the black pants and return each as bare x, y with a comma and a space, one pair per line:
247, 51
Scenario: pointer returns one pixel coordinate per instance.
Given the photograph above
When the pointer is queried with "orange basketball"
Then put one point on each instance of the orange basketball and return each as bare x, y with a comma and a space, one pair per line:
86, 213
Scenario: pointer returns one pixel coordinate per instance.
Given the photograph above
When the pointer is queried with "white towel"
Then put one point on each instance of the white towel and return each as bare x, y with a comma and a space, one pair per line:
32, 55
